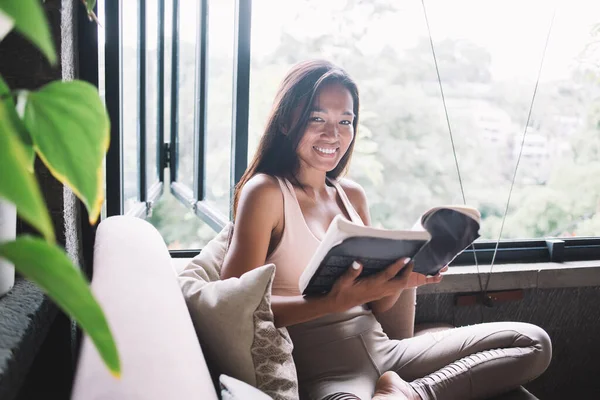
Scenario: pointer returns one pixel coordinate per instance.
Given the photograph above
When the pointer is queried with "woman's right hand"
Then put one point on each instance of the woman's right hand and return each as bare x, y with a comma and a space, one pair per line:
349, 290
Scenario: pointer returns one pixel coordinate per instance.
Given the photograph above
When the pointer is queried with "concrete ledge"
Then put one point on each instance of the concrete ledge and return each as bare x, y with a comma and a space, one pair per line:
518, 276
25, 318
461, 279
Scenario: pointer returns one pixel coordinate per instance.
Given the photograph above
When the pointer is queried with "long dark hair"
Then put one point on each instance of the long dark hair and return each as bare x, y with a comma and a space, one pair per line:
276, 153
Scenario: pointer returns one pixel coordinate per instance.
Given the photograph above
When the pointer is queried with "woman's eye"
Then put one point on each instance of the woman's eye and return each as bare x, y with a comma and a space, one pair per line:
316, 119
345, 122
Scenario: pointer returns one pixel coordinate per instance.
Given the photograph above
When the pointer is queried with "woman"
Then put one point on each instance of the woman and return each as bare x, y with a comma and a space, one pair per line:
283, 205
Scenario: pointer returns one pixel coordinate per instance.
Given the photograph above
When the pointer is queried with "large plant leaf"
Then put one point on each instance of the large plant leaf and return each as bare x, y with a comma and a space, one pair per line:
29, 19
51, 269
7, 98
17, 182
70, 131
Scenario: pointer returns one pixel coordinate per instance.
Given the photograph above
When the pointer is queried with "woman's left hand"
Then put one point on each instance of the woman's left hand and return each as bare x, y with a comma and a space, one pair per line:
415, 279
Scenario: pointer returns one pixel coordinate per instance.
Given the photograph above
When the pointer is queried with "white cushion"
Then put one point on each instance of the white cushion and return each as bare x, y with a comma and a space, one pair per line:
233, 389
139, 293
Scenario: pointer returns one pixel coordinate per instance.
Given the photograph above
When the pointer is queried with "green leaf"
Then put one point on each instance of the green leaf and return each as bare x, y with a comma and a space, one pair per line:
19, 185
4, 89
6, 97
70, 131
30, 20
90, 5
51, 269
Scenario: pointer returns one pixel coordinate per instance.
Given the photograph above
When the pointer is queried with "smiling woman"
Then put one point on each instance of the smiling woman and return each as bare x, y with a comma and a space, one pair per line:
326, 101
285, 202
329, 131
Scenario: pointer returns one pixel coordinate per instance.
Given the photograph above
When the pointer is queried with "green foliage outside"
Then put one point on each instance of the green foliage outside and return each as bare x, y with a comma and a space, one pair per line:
403, 156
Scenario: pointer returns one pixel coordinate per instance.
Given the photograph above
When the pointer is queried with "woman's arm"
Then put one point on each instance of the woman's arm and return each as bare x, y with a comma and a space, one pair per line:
259, 211
259, 214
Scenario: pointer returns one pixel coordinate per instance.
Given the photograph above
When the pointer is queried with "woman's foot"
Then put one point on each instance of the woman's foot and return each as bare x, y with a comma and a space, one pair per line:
391, 387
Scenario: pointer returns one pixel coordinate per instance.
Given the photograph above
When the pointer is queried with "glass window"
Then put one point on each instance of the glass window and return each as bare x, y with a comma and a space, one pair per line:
188, 17
178, 225
151, 90
221, 28
129, 101
404, 157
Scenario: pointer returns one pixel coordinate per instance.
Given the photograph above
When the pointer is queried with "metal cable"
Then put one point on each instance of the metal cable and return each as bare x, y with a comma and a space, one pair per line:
483, 288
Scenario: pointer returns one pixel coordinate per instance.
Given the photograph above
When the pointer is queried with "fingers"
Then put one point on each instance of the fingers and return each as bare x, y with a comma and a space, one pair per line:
433, 279
392, 271
407, 270
353, 271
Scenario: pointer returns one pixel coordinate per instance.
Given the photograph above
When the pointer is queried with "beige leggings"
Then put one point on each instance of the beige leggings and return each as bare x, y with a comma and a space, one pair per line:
348, 352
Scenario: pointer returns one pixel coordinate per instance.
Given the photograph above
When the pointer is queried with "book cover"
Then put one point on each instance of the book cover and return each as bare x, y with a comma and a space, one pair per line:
438, 237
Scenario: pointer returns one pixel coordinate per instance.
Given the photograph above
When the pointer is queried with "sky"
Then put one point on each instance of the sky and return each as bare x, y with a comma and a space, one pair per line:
513, 31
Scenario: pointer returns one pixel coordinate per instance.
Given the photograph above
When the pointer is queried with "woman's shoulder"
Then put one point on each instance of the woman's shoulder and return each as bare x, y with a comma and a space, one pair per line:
357, 196
261, 190
354, 190
263, 183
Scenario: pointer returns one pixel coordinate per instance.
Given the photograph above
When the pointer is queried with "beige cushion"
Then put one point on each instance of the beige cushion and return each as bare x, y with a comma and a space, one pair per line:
207, 265
235, 324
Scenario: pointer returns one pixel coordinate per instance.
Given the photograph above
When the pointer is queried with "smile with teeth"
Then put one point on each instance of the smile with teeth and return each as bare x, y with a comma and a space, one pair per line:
325, 151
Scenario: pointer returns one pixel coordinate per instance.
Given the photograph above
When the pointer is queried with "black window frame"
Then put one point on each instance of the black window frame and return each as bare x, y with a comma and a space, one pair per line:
536, 250
146, 195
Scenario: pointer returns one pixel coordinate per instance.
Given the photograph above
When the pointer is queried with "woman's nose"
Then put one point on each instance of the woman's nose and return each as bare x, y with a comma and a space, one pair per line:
331, 130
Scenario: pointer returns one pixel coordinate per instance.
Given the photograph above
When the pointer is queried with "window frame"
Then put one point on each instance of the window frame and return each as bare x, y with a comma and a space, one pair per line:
195, 198
536, 250
146, 196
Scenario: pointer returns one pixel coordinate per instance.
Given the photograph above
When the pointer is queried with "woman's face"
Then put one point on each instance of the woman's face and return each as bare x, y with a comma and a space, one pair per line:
329, 131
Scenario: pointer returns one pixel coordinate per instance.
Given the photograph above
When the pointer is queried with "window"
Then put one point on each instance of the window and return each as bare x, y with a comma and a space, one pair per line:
219, 110
218, 78
130, 62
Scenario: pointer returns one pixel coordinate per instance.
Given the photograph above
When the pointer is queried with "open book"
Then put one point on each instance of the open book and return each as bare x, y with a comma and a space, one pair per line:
436, 239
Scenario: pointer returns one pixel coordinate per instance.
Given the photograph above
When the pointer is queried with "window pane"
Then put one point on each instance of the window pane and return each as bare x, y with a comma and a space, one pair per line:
129, 101
151, 90
179, 226
187, 62
404, 157
219, 102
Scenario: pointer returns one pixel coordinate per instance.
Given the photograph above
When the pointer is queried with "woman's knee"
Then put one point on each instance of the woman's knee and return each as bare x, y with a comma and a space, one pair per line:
539, 340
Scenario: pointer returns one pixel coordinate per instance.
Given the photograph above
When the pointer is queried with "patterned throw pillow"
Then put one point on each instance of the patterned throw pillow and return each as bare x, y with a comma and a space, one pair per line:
235, 324
272, 353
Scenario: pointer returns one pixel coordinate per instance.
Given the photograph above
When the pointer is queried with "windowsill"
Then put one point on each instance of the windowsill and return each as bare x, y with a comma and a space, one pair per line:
462, 279
25, 317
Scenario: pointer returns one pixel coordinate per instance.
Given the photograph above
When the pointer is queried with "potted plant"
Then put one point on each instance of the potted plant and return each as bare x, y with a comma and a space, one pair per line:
64, 124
